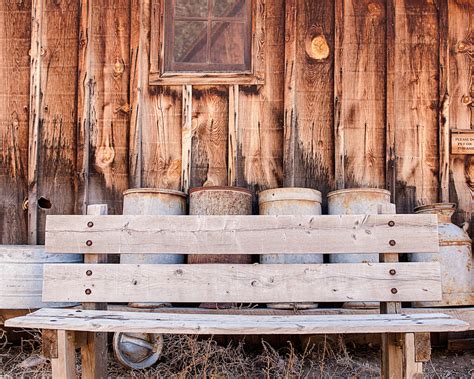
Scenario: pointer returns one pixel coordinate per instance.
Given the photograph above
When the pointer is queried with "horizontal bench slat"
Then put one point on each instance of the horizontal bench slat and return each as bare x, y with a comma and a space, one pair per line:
101, 321
242, 234
242, 283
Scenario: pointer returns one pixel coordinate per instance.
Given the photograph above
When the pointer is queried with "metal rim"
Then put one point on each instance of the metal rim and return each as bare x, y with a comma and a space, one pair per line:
221, 188
154, 190
153, 344
435, 207
289, 193
367, 190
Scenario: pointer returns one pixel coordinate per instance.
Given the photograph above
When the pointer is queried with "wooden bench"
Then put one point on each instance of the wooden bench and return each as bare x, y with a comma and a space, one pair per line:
390, 282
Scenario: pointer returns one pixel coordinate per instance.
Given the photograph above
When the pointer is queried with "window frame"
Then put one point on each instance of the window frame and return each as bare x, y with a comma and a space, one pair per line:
158, 75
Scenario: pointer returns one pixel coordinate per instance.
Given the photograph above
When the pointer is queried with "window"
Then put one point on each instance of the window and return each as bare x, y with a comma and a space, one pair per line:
207, 36
206, 42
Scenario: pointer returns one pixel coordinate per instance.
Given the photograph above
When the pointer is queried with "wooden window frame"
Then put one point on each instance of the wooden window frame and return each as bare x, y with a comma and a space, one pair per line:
157, 75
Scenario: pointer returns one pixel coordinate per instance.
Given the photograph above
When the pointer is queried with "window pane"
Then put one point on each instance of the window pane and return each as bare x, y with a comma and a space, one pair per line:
227, 44
228, 8
196, 8
190, 41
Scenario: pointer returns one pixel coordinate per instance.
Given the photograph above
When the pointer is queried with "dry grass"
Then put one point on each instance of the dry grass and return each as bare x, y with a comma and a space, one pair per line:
193, 357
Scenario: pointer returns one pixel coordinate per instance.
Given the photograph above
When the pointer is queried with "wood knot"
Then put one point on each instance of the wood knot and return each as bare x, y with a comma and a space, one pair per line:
119, 67
317, 47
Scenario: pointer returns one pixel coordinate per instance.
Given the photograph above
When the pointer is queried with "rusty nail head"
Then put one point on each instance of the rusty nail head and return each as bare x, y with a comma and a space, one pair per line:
89, 243
391, 223
90, 224
392, 272
394, 290
88, 291
392, 243
88, 272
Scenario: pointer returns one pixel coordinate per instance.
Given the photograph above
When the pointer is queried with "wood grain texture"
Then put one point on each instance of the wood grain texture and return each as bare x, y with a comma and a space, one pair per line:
362, 98
242, 283
103, 101
242, 234
210, 124
226, 324
258, 143
156, 120
414, 102
53, 115
64, 366
15, 33
308, 115
461, 92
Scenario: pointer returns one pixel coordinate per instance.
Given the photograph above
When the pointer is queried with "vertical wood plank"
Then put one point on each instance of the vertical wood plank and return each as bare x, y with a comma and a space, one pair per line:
309, 94
156, 121
209, 136
104, 68
233, 158
390, 149
415, 103
443, 106
461, 95
53, 140
187, 137
15, 21
64, 366
257, 150
339, 134
361, 68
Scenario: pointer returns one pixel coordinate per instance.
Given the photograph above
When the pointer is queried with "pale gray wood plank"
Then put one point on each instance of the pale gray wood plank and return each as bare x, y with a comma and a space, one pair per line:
242, 283
225, 324
242, 234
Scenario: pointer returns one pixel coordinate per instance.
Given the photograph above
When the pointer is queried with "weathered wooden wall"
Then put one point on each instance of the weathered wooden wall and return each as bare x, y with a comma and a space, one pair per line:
357, 93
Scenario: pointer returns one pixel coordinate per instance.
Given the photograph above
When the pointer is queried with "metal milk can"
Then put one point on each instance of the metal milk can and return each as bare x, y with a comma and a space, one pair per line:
455, 258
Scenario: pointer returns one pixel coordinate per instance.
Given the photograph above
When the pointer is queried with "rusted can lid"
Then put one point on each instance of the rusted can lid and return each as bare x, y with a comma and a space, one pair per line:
288, 194
153, 190
221, 188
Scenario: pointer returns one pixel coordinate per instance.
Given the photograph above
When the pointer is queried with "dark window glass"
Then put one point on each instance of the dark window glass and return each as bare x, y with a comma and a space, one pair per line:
207, 35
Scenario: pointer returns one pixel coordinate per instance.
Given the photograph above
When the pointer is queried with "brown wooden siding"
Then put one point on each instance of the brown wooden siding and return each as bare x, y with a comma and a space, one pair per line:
357, 93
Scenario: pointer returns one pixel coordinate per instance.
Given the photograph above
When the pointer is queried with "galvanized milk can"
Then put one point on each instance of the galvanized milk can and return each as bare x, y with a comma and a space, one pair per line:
455, 258
290, 201
21, 275
353, 201
153, 201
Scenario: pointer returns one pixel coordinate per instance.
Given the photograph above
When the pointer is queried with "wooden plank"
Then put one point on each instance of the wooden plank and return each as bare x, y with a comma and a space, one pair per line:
465, 314
461, 92
257, 149
233, 157
156, 121
422, 347
309, 95
413, 369
415, 69
15, 18
104, 102
242, 234
94, 348
64, 366
242, 283
209, 136
137, 322
53, 115
361, 66
187, 137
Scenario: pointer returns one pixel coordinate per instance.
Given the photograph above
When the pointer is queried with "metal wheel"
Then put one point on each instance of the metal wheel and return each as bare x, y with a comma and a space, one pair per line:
137, 350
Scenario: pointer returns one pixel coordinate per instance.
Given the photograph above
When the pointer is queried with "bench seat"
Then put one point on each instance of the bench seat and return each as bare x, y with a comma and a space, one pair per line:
173, 323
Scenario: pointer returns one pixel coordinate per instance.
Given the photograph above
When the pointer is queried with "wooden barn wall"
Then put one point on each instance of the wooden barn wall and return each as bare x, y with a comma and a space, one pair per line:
357, 93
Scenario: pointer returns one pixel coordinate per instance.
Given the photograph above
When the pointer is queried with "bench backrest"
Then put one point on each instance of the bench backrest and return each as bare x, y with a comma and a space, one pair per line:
383, 234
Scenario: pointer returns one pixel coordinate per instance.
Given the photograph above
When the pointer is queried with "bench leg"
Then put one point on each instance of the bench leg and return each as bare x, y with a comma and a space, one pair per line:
94, 356
64, 366
399, 357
